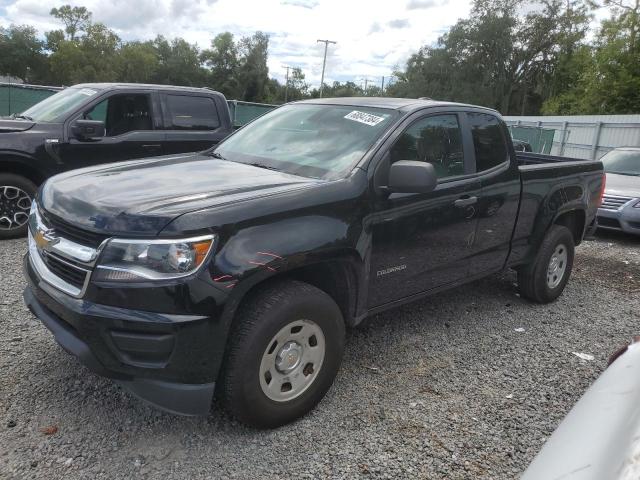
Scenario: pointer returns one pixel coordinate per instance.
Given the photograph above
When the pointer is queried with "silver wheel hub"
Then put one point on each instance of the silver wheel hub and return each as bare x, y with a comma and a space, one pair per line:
557, 266
15, 204
292, 360
289, 357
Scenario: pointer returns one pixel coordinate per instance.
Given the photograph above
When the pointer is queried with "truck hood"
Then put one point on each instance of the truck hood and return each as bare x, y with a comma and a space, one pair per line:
141, 197
8, 125
623, 185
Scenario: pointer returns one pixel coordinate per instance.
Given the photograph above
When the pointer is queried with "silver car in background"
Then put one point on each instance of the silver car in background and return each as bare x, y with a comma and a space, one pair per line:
620, 209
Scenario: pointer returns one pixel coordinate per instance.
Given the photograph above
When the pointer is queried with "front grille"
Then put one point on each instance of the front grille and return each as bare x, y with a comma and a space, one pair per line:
608, 223
65, 270
614, 202
71, 232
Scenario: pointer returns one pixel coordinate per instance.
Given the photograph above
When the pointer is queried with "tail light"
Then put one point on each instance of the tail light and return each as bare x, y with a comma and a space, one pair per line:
602, 188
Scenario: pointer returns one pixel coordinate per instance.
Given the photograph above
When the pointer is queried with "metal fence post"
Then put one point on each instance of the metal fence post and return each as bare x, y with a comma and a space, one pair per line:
563, 141
596, 139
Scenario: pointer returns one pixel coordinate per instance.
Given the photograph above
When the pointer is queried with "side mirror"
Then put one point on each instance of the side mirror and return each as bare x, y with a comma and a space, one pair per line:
410, 176
87, 129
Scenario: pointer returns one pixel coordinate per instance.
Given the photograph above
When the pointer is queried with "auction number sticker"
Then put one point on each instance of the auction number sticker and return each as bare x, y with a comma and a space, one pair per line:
366, 118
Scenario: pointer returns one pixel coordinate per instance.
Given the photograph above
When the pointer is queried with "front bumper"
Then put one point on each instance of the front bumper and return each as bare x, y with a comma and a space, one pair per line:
625, 219
160, 358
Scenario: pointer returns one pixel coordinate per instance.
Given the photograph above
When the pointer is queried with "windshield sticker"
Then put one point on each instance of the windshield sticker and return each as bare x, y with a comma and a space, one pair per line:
366, 118
87, 91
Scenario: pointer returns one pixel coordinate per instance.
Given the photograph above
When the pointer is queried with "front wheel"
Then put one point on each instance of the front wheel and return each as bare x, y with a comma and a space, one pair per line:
283, 355
544, 280
16, 195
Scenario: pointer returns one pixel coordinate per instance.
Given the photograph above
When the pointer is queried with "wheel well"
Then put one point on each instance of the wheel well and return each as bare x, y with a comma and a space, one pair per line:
336, 278
574, 221
16, 166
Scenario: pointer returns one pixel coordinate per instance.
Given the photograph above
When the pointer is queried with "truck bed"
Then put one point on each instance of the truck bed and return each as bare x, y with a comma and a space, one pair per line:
558, 182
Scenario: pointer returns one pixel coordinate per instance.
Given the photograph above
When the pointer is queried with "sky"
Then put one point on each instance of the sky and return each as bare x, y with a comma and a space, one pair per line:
373, 37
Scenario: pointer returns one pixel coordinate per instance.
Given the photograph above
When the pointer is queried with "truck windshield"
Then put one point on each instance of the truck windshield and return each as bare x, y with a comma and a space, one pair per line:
622, 162
56, 106
318, 141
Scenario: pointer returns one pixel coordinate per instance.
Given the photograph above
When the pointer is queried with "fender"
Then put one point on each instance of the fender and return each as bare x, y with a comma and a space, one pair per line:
12, 161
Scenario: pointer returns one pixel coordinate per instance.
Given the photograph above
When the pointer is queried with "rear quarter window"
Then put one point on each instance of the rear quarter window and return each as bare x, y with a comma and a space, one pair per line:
192, 113
488, 141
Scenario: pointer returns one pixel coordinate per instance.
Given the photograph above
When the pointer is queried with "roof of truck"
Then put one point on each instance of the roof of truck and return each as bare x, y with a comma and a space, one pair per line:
103, 86
403, 104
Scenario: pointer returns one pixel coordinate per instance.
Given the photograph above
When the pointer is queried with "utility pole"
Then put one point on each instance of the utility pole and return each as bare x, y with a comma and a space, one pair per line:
286, 85
382, 86
366, 82
324, 62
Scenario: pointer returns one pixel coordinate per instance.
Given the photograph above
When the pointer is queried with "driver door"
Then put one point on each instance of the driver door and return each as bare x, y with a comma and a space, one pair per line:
423, 241
130, 132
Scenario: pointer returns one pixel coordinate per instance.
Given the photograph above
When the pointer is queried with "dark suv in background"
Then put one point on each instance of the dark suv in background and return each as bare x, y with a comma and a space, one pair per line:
95, 123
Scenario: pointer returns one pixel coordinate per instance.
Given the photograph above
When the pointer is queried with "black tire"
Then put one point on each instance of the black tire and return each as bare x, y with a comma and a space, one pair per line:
532, 279
9, 207
260, 318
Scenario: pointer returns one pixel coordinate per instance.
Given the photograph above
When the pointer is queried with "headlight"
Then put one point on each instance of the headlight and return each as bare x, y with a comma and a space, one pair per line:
143, 260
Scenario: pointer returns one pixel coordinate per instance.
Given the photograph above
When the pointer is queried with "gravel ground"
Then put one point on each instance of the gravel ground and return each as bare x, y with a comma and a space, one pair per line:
449, 387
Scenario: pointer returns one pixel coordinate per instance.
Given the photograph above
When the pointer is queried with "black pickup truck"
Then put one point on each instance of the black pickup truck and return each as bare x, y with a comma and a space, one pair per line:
238, 269
93, 123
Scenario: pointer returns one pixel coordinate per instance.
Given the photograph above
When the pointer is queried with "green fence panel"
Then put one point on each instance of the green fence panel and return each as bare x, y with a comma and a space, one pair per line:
540, 139
243, 112
16, 98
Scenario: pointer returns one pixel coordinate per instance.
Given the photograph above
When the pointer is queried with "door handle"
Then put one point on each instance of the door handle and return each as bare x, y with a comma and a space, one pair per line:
465, 201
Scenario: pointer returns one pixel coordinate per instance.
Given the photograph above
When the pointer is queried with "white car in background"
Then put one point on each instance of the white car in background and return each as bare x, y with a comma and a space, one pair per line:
600, 437
620, 209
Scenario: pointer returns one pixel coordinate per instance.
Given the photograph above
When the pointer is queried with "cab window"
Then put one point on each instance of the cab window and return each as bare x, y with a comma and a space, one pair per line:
437, 140
123, 113
488, 141
192, 113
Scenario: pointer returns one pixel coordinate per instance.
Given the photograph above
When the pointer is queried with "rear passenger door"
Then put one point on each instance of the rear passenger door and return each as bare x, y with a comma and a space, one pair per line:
192, 122
499, 198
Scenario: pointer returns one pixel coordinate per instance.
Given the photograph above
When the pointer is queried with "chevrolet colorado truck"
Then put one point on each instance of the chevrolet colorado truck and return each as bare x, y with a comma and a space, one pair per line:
93, 123
237, 270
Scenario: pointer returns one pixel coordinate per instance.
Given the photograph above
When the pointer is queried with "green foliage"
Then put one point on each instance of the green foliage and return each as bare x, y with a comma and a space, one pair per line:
608, 73
75, 19
22, 55
222, 61
498, 57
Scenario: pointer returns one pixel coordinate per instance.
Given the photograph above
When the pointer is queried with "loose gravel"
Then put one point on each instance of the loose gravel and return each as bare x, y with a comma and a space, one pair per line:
466, 384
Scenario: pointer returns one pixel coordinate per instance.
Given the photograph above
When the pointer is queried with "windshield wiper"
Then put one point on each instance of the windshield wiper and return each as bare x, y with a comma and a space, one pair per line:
262, 165
21, 116
216, 155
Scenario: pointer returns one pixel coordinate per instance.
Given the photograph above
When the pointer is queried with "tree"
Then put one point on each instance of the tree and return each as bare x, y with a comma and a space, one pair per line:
137, 62
497, 57
178, 62
253, 73
75, 19
90, 58
22, 54
222, 61
609, 76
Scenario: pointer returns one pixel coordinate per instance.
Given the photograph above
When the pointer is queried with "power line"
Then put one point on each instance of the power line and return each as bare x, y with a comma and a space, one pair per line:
324, 62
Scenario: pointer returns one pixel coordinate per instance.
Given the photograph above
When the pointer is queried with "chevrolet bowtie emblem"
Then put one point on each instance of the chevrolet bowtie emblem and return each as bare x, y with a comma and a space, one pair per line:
45, 239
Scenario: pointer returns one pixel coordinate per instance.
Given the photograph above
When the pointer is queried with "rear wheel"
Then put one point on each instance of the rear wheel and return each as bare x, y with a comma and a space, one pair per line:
283, 355
545, 279
16, 195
